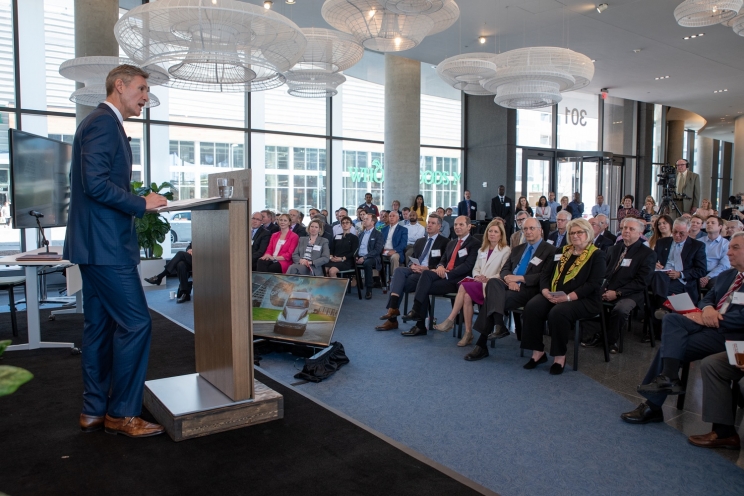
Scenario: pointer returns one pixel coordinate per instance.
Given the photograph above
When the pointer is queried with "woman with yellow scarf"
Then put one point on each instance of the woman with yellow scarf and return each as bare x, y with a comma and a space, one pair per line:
569, 292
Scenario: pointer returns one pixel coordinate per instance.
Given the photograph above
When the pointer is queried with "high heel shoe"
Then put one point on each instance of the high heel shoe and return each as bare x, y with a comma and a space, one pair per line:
445, 326
466, 339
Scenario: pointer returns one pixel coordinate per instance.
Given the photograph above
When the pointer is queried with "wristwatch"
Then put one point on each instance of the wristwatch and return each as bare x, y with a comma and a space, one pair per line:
618, 293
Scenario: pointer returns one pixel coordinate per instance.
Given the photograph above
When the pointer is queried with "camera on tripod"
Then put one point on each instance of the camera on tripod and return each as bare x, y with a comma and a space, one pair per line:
668, 176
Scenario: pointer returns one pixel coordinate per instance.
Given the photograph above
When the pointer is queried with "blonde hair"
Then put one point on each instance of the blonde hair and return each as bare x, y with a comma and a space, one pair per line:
502, 241
320, 226
582, 224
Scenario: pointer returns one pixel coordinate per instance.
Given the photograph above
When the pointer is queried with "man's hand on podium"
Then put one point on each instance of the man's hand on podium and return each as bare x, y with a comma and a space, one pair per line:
154, 200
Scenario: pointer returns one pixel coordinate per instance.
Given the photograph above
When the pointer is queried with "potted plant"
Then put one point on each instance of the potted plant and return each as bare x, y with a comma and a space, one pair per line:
11, 378
152, 228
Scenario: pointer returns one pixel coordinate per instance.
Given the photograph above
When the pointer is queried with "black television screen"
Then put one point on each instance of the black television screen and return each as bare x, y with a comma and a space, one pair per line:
39, 180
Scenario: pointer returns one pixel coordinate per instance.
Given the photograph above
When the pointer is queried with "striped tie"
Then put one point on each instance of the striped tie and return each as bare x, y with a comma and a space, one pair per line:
724, 302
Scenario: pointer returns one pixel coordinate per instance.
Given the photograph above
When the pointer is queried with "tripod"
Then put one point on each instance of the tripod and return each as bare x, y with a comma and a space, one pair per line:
667, 205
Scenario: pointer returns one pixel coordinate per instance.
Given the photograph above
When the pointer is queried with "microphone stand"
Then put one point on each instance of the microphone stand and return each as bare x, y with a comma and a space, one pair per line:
44, 241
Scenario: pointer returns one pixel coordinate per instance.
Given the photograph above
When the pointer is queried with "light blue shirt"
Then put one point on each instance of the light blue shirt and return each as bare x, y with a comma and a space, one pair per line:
560, 237
363, 242
553, 209
715, 255
603, 209
674, 262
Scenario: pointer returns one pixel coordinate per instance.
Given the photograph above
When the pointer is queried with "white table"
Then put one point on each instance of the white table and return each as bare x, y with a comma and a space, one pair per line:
32, 299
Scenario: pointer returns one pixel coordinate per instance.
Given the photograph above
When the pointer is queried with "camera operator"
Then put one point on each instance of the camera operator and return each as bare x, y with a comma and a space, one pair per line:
688, 188
732, 212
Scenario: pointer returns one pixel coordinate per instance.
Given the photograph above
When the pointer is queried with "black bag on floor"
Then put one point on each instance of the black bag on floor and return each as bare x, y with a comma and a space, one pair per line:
321, 367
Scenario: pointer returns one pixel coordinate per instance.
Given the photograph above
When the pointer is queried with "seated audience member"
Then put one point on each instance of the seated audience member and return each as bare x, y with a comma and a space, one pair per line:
395, 239
268, 219
337, 228
312, 252
559, 237
456, 264
415, 231
731, 212
445, 225
370, 249
313, 212
543, 213
324, 213
661, 229
627, 209
358, 223
630, 266
517, 238
565, 206
601, 207
421, 209
680, 264
259, 238
180, 265
491, 257
345, 246
716, 248
278, 255
296, 223
732, 227
396, 208
406, 216
604, 224
599, 240
448, 212
325, 230
428, 252
693, 336
383, 220
368, 206
706, 209
517, 283
718, 374
570, 292
696, 227
648, 212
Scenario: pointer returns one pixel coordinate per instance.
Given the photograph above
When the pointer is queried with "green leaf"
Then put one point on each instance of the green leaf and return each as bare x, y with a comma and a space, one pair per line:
4, 344
154, 187
157, 251
11, 378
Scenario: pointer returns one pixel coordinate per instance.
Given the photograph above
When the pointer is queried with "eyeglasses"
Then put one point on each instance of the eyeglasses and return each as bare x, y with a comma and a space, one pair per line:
576, 233
346, 222
679, 233
530, 228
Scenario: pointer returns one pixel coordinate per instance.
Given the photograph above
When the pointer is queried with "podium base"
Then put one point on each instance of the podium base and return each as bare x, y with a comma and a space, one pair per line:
189, 406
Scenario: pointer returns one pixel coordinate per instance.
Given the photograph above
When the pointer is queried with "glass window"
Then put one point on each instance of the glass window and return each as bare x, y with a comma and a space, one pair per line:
440, 178
359, 106
441, 110
7, 60
657, 134
277, 110
203, 107
578, 126
535, 127
10, 239
619, 125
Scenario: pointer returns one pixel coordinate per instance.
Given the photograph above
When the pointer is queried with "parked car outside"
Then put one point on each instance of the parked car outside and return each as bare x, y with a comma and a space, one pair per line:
180, 227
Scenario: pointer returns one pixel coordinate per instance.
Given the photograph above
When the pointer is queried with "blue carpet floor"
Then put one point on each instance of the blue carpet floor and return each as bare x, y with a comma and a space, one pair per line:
511, 430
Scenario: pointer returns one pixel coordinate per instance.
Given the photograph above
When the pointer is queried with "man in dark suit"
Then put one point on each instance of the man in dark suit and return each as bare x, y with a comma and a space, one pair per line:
681, 262
456, 264
694, 336
102, 240
604, 224
559, 237
267, 220
428, 252
371, 243
519, 281
180, 265
600, 240
503, 206
630, 267
467, 206
296, 225
260, 238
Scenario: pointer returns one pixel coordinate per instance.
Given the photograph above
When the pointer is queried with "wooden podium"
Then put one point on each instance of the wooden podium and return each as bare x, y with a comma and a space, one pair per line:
223, 394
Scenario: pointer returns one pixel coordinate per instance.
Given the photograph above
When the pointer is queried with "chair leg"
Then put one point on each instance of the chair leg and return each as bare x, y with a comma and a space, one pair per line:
11, 302
620, 341
604, 335
432, 300
359, 281
685, 377
577, 340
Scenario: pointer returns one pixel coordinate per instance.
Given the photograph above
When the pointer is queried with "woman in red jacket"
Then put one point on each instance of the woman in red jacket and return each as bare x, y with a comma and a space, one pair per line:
278, 255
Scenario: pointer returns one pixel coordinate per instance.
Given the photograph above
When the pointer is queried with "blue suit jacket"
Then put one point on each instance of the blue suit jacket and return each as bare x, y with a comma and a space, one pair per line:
375, 244
400, 240
462, 209
100, 229
694, 262
733, 319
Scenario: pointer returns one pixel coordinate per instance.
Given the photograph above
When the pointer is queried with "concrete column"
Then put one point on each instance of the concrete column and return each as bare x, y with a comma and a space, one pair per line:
704, 165
402, 129
675, 140
738, 165
94, 35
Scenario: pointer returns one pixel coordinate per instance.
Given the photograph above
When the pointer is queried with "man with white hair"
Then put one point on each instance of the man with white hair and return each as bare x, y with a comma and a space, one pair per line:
559, 237
630, 267
604, 224
600, 241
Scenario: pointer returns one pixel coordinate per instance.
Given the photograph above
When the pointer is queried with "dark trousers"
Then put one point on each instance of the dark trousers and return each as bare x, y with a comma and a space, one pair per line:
561, 319
545, 224
499, 300
268, 266
116, 340
431, 284
368, 266
404, 281
180, 265
618, 316
683, 339
717, 376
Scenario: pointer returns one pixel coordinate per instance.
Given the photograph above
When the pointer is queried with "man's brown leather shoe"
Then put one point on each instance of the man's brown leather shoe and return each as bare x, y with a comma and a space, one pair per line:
389, 325
132, 427
391, 314
90, 423
710, 440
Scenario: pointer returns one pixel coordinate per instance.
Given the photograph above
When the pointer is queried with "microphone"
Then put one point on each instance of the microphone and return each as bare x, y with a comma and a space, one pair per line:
129, 138
34, 213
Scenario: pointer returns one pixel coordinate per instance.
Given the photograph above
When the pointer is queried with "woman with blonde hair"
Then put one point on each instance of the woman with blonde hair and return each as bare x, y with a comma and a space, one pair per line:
570, 293
491, 257
706, 209
649, 210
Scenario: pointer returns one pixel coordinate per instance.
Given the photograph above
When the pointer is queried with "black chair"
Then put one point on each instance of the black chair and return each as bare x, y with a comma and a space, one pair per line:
9, 283
456, 331
385, 274
647, 327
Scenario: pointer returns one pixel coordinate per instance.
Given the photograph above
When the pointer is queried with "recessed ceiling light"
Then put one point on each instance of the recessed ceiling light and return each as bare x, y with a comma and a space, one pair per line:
289, 2
268, 4
720, 91
602, 7
593, 60
482, 40
661, 77
693, 36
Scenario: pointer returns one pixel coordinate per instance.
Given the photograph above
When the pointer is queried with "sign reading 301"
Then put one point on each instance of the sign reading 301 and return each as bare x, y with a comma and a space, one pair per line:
577, 116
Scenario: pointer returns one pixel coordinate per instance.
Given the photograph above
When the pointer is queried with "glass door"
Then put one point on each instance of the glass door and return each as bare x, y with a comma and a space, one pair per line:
568, 177
538, 180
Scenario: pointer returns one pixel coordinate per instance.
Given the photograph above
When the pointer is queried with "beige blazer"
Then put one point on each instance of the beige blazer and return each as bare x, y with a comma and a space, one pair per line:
691, 190
490, 267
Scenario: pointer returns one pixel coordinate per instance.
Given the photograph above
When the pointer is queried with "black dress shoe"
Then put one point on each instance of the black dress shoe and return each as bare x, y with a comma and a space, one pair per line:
184, 297
557, 368
414, 331
592, 342
532, 363
477, 353
413, 315
662, 384
154, 280
643, 414
368, 295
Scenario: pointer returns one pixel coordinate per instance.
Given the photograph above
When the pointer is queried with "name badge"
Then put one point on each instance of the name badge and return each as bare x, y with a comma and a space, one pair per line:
626, 262
463, 253
338, 236
472, 207
535, 261
557, 257
507, 204
317, 247
436, 253
551, 242
737, 298
483, 254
